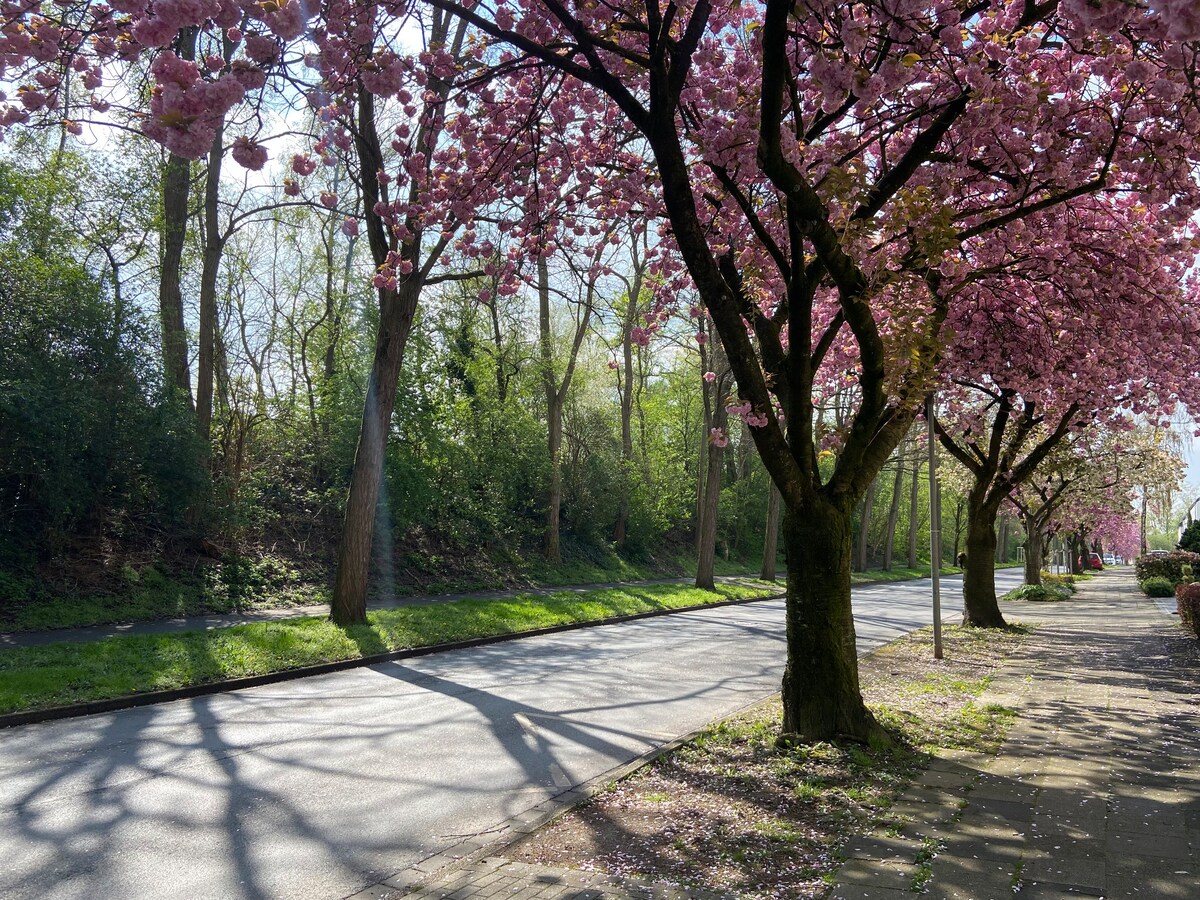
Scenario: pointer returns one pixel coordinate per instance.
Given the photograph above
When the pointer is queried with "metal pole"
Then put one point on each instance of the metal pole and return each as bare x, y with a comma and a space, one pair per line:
935, 532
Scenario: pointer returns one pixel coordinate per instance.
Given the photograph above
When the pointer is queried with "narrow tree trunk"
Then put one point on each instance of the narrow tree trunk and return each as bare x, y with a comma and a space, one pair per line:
214, 246
864, 530
821, 698
979, 577
914, 511
552, 546
550, 543
771, 538
619, 530
1145, 547
707, 549
889, 540
175, 186
354, 555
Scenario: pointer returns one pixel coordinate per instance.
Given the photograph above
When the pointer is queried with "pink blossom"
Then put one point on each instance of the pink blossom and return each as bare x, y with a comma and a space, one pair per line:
303, 165
329, 199
710, 377
248, 153
350, 226
717, 437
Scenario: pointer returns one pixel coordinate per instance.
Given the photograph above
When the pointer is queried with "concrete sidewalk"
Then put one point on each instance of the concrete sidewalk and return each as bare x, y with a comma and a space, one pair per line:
1096, 793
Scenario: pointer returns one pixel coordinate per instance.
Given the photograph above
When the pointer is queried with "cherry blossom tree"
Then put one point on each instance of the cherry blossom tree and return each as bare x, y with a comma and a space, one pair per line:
1042, 355
827, 170
1096, 470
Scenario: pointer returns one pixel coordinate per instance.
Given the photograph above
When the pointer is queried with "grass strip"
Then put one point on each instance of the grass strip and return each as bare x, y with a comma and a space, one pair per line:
732, 813
59, 674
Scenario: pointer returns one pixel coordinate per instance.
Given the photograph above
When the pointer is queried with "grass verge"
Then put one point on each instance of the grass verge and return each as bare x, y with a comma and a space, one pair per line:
58, 674
731, 813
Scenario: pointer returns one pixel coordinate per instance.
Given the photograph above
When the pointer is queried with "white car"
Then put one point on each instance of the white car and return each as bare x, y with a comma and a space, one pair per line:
1109, 559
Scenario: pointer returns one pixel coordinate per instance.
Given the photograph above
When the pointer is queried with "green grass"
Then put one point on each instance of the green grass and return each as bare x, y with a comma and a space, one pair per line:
56, 674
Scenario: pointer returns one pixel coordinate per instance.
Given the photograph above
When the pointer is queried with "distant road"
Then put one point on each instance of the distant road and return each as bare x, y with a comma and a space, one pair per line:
319, 787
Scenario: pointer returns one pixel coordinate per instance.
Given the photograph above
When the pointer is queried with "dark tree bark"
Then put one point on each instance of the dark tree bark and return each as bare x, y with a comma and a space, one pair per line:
979, 576
1035, 554
821, 698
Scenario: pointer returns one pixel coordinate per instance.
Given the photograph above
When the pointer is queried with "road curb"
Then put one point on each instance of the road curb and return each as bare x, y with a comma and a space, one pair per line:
151, 698
500, 837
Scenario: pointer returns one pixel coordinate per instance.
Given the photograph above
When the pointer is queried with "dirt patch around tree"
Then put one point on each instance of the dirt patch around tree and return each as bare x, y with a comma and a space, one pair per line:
729, 812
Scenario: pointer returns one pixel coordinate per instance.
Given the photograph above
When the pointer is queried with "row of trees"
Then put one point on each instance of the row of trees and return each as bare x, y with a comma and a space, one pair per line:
863, 202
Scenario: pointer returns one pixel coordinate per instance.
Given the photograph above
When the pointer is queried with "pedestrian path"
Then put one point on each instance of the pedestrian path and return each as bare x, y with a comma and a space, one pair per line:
1096, 792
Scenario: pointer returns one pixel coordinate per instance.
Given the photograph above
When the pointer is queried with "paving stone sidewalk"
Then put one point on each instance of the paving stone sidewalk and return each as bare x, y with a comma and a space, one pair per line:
1096, 793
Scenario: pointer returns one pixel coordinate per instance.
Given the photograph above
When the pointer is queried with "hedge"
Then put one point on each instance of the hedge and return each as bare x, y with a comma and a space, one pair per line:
1168, 566
1188, 597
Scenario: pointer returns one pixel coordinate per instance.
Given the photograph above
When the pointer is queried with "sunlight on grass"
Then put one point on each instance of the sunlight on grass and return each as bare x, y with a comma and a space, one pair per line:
56, 674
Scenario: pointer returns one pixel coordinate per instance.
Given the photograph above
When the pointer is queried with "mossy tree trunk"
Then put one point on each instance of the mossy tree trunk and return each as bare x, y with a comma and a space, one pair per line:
821, 697
979, 577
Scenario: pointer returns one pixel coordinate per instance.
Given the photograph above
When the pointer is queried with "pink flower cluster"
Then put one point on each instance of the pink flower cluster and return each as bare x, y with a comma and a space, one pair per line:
248, 153
184, 109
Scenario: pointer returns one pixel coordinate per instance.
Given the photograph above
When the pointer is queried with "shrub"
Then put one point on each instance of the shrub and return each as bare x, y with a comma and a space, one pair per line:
1169, 566
1040, 593
1190, 539
1157, 586
1188, 599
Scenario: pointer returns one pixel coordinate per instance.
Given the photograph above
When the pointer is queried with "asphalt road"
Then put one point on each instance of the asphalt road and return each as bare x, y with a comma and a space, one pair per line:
319, 787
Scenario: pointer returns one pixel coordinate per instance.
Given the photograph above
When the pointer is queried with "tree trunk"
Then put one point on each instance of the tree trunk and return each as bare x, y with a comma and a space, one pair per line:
707, 539
1035, 553
554, 413
864, 530
175, 186
980, 608
354, 555
771, 538
821, 698
914, 511
214, 245
554, 407
889, 540
626, 395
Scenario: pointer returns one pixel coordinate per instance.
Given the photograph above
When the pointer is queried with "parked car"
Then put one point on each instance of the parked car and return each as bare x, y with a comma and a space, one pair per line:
1109, 559
1095, 562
